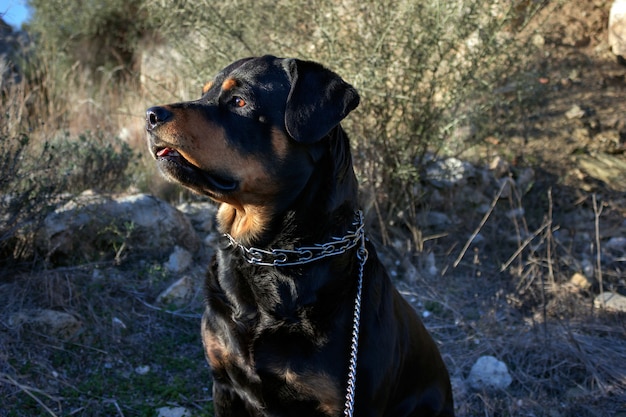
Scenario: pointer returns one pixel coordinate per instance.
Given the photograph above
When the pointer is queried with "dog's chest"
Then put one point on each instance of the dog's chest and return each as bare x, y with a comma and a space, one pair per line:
271, 374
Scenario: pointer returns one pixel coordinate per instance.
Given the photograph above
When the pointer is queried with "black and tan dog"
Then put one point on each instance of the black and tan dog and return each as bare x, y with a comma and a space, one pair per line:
265, 142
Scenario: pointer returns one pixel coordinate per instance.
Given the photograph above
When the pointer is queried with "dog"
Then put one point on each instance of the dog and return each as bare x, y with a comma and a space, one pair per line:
301, 318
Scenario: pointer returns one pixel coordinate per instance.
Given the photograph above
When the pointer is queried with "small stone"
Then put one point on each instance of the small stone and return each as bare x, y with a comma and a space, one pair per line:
179, 293
436, 218
499, 167
616, 243
173, 412
449, 172
50, 322
179, 260
575, 112
538, 41
610, 301
489, 373
580, 281
142, 370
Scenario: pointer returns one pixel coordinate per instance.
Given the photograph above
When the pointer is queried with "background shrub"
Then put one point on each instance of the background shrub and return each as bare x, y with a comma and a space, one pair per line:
427, 72
35, 179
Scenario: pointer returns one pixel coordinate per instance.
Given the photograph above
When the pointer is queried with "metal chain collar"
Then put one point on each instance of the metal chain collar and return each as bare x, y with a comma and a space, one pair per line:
306, 254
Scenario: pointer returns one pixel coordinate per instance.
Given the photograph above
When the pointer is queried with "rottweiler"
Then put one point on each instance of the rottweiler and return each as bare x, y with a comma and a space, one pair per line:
301, 318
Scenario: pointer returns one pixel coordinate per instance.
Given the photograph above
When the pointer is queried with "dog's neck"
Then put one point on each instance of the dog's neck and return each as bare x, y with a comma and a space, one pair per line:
328, 198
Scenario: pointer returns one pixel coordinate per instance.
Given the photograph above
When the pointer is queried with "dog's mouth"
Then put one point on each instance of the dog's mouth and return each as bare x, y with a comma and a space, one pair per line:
175, 166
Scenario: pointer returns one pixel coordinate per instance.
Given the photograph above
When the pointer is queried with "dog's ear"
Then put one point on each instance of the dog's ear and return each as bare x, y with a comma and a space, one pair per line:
319, 99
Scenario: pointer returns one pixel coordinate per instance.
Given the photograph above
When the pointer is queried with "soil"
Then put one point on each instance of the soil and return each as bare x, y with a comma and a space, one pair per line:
566, 357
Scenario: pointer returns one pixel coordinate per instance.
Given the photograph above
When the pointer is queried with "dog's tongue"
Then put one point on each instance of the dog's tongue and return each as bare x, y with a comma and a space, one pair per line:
167, 151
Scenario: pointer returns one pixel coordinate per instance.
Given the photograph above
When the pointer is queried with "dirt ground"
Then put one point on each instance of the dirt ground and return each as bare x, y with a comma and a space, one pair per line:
566, 357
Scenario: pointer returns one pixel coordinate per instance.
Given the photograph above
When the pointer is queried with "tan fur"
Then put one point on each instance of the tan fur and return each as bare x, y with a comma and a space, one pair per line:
245, 212
320, 386
228, 84
206, 87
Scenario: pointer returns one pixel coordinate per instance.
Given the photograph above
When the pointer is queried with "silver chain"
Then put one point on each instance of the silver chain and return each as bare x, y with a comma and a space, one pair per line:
306, 254
354, 349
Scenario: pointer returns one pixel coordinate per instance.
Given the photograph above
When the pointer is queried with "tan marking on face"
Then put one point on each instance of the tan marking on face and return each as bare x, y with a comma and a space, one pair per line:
319, 386
280, 143
245, 212
206, 87
228, 84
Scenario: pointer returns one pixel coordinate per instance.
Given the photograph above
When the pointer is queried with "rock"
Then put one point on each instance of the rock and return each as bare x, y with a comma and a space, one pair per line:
499, 167
179, 293
575, 112
50, 322
201, 215
179, 260
610, 301
610, 169
449, 172
580, 281
488, 373
617, 28
142, 370
436, 218
617, 244
94, 226
538, 41
173, 412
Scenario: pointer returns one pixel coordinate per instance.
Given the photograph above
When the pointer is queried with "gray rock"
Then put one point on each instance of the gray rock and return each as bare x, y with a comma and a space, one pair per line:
51, 322
173, 412
179, 293
449, 172
617, 28
94, 226
179, 260
489, 373
610, 301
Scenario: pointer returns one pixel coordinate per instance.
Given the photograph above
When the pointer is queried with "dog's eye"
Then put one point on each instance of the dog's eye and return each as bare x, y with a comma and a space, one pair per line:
238, 101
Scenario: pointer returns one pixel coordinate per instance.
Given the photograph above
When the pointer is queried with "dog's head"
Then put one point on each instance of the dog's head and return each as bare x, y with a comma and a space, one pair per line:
252, 137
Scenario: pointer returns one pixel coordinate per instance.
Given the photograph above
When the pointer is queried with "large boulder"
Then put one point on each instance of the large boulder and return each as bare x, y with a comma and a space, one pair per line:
617, 28
95, 227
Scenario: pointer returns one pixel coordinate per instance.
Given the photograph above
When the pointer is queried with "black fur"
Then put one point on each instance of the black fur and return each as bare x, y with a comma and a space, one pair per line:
278, 338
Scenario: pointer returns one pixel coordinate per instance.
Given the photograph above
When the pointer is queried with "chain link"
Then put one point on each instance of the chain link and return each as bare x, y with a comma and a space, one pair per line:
356, 322
304, 254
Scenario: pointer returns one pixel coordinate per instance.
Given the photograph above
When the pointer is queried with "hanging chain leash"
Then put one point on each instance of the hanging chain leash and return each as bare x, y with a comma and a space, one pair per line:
354, 349
306, 254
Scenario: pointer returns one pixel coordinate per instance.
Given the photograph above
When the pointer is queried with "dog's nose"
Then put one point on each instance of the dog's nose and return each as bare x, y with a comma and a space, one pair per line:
156, 116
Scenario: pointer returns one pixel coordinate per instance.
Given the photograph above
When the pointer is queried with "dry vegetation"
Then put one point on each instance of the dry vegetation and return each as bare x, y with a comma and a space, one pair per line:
442, 78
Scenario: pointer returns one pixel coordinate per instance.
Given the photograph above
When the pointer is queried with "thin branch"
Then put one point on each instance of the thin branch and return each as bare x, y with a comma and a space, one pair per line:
597, 211
29, 391
523, 246
482, 223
